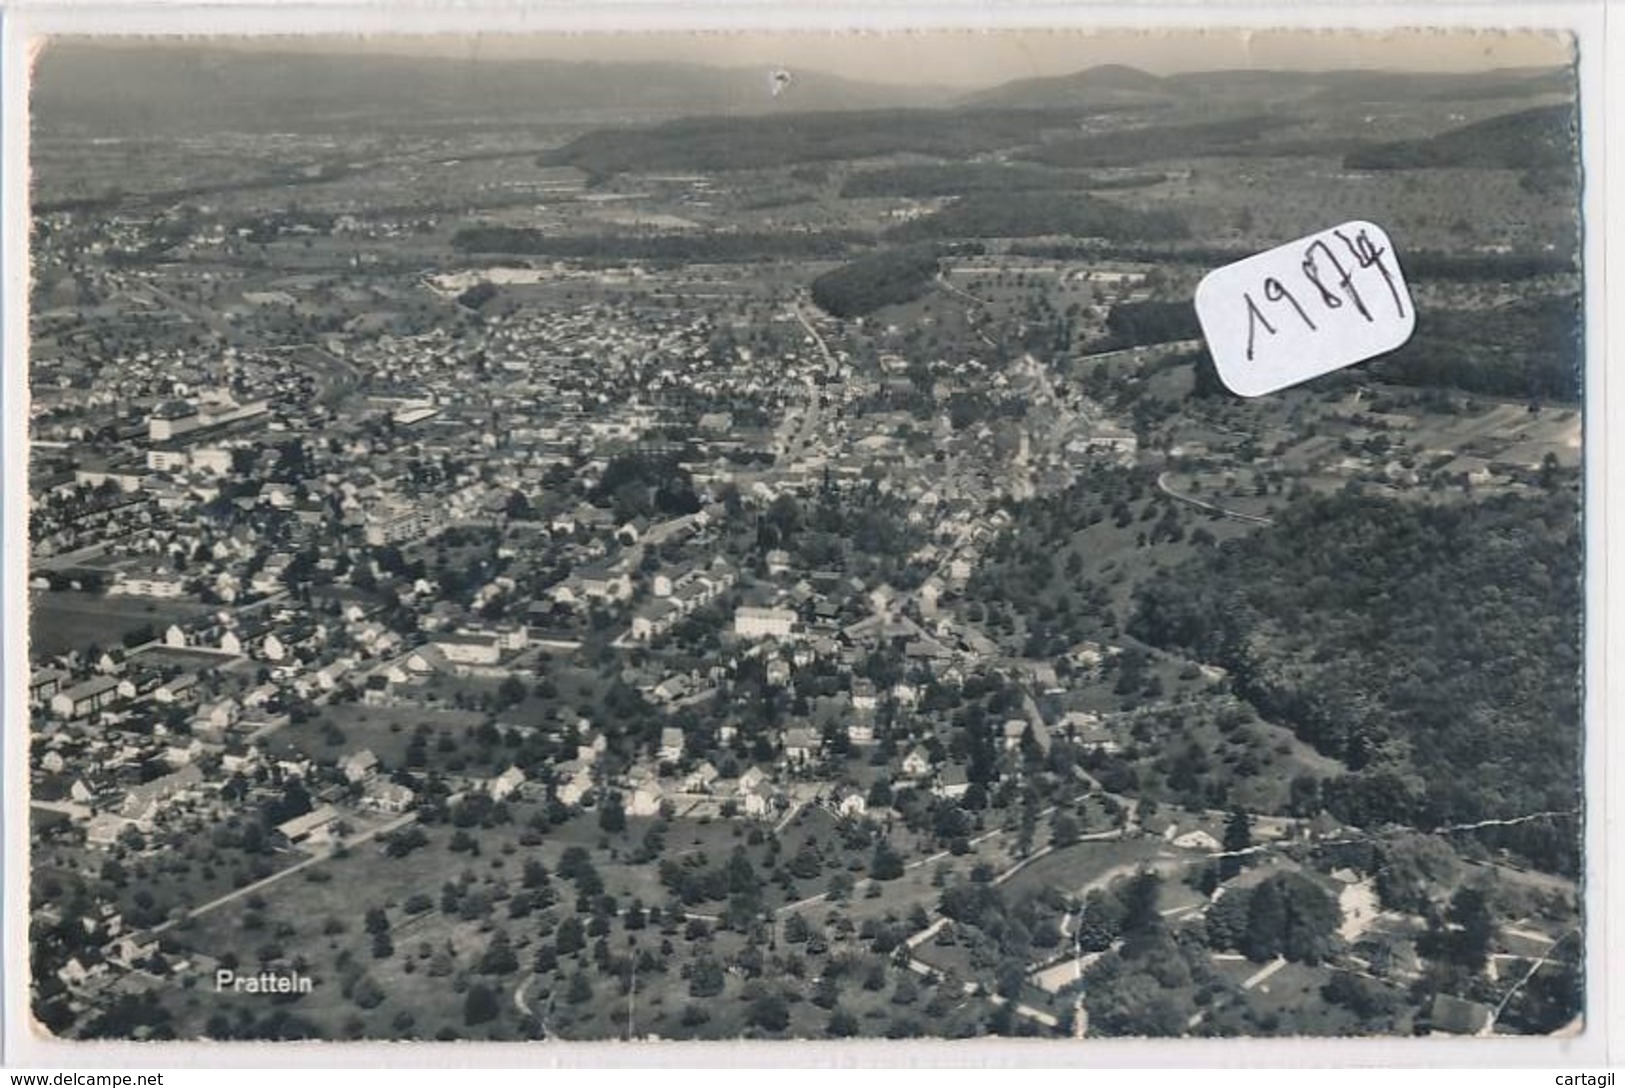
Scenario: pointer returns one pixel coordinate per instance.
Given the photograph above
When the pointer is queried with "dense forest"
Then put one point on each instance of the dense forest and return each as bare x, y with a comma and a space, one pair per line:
875, 280
1434, 649
1131, 324
1420, 265
1042, 214
1527, 140
1528, 349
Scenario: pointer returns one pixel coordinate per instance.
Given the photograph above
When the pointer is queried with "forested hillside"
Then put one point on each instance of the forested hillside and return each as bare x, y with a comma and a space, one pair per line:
1528, 139
1434, 649
1041, 214
876, 280
1529, 349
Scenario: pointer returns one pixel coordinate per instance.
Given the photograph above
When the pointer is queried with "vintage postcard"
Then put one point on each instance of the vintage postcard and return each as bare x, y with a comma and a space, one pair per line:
804, 536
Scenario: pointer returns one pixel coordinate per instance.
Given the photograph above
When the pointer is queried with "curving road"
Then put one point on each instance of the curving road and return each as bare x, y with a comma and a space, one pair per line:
1203, 504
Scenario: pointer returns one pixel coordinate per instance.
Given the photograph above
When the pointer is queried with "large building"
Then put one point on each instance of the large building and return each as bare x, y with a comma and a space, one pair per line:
398, 522
752, 622
85, 698
469, 649
171, 419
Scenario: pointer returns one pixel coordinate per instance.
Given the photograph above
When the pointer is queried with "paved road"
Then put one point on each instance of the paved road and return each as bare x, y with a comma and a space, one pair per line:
1202, 504
812, 418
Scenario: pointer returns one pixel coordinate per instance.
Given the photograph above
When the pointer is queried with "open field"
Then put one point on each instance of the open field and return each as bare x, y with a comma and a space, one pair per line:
64, 620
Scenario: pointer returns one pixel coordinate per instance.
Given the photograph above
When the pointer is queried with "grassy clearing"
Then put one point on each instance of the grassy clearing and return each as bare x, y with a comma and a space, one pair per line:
67, 620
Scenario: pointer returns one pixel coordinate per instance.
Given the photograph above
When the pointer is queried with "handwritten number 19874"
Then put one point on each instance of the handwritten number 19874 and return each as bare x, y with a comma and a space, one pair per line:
1364, 254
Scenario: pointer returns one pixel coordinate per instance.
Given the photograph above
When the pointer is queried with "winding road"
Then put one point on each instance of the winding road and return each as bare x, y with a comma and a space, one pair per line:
1212, 508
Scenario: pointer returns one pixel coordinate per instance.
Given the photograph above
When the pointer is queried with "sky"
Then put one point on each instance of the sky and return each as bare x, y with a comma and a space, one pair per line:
983, 58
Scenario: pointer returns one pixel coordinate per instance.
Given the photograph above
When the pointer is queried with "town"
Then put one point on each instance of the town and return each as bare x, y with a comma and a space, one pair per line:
433, 643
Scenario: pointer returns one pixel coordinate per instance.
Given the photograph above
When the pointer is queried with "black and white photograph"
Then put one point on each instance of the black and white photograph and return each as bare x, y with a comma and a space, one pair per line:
786, 536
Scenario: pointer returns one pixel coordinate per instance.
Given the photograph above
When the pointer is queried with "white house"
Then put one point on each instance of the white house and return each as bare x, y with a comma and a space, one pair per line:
506, 784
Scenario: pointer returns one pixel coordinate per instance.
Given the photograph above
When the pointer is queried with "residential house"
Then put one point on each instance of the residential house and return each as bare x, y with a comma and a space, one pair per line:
917, 764
756, 792
359, 766
800, 744
701, 778
506, 784
44, 684
573, 782
315, 826
671, 744
221, 714
1196, 839
654, 619
180, 689
952, 784
645, 796
386, 796
850, 802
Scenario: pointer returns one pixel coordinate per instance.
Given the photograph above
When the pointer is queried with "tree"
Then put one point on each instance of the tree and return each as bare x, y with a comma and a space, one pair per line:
570, 937
886, 864
499, 958
1466, 942
1411, 867
479, 1005
1140, 902
706, 978
1064, 830
1469, 909
1238, 837
769, 1011
1266, 918
612, 814
1289, 915
1226, 920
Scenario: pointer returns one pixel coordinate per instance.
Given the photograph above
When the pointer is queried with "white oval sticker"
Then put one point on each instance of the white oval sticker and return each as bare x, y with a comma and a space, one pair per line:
1304, 309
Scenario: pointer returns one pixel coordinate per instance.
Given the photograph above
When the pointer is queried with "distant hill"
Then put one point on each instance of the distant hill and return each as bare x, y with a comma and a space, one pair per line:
1534, 139
186, 88
1119, 85
1105, 85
